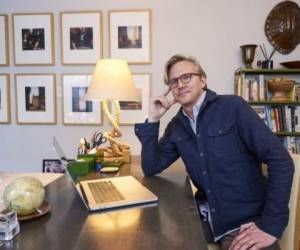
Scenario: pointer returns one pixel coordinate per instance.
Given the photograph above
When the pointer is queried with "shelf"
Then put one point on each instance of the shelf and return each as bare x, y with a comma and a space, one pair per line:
267, 71
287, 133
273, 103
251, 84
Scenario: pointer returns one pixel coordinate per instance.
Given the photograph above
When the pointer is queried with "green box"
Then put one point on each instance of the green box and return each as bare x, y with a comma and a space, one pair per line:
93, 156
82, 167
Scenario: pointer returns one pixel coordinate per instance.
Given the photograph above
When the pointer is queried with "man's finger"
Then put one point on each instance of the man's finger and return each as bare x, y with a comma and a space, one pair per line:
157, 101
246, 226
165, 103
167, 91
256, 246
239, 239
171, 102
243, 243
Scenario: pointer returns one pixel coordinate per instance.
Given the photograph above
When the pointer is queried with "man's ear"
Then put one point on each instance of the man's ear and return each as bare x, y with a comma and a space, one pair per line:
203, 80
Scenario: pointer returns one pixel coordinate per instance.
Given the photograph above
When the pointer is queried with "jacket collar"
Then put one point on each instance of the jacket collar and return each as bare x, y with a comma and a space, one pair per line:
210, 95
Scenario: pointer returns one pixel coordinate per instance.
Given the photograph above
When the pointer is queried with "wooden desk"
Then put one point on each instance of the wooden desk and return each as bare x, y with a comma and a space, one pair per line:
172, 224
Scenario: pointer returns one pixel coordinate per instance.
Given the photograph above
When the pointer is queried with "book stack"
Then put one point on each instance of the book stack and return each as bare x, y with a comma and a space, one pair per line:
280, 118
291, 143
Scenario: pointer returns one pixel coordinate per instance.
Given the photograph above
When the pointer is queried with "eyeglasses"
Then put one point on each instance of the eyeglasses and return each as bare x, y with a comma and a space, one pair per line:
185, 78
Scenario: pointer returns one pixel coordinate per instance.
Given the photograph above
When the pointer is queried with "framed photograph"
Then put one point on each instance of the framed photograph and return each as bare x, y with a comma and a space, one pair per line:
35, 98
4, 52
136, 111
81, 38
33, 39
53, 166
130, 35
75, 109
5, 116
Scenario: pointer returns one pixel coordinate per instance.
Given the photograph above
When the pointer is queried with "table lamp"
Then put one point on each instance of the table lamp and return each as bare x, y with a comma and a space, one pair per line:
112, 81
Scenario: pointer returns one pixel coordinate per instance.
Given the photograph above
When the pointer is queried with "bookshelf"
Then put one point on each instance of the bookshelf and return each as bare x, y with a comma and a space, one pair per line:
282, 117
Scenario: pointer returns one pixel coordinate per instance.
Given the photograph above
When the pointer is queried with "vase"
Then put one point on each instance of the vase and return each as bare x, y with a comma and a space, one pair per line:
248, 51
280, 87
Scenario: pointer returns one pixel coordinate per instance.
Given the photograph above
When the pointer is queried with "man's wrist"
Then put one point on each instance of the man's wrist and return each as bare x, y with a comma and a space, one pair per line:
152, 120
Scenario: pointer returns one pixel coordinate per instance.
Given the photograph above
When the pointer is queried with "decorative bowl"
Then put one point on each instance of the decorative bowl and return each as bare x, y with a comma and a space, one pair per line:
291, 64
280, 87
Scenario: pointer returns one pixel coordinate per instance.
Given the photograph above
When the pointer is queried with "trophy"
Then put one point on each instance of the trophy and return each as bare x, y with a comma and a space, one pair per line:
248, 51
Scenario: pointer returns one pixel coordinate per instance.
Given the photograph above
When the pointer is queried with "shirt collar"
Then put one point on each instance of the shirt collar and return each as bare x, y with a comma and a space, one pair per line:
197, 106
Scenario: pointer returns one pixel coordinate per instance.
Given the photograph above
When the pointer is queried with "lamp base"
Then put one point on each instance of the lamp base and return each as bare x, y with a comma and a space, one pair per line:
108, 155
126, 155
117, 151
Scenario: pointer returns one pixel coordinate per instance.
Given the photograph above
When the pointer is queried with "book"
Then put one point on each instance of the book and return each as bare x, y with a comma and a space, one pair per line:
273, 119
269, 118
297, 92
260, 110
261, 83
288, 118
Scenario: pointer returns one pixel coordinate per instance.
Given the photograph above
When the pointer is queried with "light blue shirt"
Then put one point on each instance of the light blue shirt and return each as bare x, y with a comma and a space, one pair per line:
196, 109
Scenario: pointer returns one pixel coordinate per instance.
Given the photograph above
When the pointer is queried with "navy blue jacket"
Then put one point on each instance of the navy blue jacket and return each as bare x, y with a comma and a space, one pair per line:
224, 160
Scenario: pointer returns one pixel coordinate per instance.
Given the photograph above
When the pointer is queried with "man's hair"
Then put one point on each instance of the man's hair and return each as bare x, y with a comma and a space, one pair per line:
179, 58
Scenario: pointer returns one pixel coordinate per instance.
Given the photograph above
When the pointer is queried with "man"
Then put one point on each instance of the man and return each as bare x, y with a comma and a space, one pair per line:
223, 143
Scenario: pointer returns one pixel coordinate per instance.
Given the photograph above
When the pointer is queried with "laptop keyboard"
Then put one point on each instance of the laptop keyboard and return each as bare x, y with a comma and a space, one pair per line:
105, 191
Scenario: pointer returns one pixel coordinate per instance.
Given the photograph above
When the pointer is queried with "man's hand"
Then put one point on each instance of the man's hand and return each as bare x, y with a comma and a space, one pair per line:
159, 106
250, 237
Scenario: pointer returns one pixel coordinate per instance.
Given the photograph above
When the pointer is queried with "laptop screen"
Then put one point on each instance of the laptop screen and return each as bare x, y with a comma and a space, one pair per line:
58, 149
65, 163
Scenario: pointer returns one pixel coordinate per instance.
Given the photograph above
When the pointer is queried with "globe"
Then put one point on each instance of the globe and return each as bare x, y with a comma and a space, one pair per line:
24, 195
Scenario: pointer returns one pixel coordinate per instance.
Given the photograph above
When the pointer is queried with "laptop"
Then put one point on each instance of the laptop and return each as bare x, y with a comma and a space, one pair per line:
109, 193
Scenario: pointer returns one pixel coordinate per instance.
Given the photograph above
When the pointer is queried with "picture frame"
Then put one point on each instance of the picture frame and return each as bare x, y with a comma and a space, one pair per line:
130, 35
4, 51
33, 37
76, 111
5, 112
53, 166
136, 111
81, 37
35, 98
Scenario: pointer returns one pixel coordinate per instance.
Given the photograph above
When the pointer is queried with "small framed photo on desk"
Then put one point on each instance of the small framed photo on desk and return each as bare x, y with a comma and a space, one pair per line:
53, 166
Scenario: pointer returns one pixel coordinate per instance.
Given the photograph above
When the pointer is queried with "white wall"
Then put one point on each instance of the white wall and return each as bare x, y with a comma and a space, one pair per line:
210, 30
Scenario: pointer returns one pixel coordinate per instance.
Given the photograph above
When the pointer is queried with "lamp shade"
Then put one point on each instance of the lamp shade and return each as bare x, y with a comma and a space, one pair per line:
112, 80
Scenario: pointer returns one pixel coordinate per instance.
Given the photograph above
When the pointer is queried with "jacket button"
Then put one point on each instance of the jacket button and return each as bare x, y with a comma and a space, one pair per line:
136, 129
204, 172
208, 191
213, 210
220, 131
178, 138
201, 154
199, 135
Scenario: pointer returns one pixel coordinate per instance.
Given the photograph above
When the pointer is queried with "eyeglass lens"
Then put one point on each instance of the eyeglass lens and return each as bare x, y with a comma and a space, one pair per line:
185, 78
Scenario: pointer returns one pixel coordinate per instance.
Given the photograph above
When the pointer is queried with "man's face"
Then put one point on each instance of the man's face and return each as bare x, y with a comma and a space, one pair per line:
186, 94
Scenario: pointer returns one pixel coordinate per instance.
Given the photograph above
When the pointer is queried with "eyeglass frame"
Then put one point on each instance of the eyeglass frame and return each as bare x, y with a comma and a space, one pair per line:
173, 83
